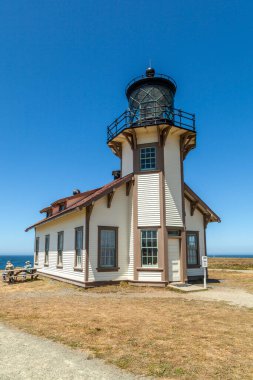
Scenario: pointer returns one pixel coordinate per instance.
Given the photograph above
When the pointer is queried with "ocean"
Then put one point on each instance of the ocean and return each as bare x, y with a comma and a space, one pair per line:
17, 260
232, 255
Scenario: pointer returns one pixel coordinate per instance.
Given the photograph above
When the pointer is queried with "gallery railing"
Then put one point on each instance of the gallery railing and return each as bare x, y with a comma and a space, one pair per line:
151, 115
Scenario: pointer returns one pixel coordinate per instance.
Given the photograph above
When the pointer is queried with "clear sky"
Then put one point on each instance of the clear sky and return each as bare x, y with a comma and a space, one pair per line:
63, 70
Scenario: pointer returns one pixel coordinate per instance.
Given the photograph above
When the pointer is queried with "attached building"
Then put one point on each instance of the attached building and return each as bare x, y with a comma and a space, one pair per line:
146, 226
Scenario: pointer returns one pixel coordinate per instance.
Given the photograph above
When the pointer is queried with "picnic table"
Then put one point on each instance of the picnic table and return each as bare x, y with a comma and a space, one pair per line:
13, 275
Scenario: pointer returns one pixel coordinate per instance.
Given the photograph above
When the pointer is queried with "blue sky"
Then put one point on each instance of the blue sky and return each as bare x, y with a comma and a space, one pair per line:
63, 70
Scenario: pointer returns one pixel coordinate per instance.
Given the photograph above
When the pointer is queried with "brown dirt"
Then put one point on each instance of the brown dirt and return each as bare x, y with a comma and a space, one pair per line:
169, 338
227, 263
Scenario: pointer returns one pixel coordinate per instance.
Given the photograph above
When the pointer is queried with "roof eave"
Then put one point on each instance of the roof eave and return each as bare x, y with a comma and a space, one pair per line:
202, 206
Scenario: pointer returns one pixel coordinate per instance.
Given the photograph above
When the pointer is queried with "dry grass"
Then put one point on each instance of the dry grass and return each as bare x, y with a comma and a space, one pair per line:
227, 263
168, 337
234, 279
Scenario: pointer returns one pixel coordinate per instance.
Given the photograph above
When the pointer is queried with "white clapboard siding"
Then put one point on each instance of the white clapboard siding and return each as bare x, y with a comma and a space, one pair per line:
173, 194
148, 200
115, 216
127, 159
173, 215
174, 259
66, 271
195, 223
149, 276
67, 224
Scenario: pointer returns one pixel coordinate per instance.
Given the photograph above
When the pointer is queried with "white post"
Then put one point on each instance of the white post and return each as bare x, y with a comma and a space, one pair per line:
205, 265
205, 278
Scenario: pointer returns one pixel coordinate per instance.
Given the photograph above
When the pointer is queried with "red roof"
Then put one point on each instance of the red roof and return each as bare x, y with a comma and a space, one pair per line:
85, 199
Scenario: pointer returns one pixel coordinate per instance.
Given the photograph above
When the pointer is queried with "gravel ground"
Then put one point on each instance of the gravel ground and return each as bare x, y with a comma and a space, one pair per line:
235, 297
26, 357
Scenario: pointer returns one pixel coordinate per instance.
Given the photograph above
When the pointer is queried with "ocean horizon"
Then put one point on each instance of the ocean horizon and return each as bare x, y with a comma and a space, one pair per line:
19, 259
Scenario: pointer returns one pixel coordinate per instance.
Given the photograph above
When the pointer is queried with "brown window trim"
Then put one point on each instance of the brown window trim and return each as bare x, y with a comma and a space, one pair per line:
153, 228
76, 268
59, 266
198, 253
159, 158
147, 269
112, 269
108, 269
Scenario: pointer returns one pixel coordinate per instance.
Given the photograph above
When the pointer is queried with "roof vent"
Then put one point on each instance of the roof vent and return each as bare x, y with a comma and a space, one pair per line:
76, 191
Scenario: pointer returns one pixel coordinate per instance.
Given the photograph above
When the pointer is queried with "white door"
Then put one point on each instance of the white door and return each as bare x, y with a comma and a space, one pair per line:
174, 259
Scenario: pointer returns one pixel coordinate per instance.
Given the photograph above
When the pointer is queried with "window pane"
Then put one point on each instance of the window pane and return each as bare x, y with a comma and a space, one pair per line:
192, 249
79, 238
148, 158
37, 244
60, 241
79, 258
149, 251
47, 243
107, 248
60, 257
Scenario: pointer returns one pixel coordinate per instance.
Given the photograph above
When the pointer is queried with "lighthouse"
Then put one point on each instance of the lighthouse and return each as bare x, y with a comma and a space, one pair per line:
152, 138
147, 226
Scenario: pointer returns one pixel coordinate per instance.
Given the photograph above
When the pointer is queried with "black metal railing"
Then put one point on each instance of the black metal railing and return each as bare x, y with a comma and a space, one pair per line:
163, 76
147, 116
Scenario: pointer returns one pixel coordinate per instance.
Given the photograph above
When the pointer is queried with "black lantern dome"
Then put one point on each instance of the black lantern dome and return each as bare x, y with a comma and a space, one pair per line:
150, 95
150, 102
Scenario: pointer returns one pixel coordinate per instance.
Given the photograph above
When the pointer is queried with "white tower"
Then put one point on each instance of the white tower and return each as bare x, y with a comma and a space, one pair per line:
152, 139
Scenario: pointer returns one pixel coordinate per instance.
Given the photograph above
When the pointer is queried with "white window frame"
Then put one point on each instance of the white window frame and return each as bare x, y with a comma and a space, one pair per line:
152, 250
145, 152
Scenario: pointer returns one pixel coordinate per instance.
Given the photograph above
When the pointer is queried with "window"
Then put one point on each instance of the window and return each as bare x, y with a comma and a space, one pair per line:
149, 251
148, 158
78, 246
192, 249
107, 247
62, 207
47, 239
60, 248
37, 248
49, 213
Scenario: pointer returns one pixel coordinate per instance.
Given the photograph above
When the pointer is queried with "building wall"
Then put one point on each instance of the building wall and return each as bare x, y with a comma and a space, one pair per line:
127, 159
146, 135
172, 171
195, 223
67, 223
118, 215
149, 276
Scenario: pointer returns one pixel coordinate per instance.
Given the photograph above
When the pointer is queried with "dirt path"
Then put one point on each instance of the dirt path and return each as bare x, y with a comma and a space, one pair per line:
26, 357
246, 271
235, 297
